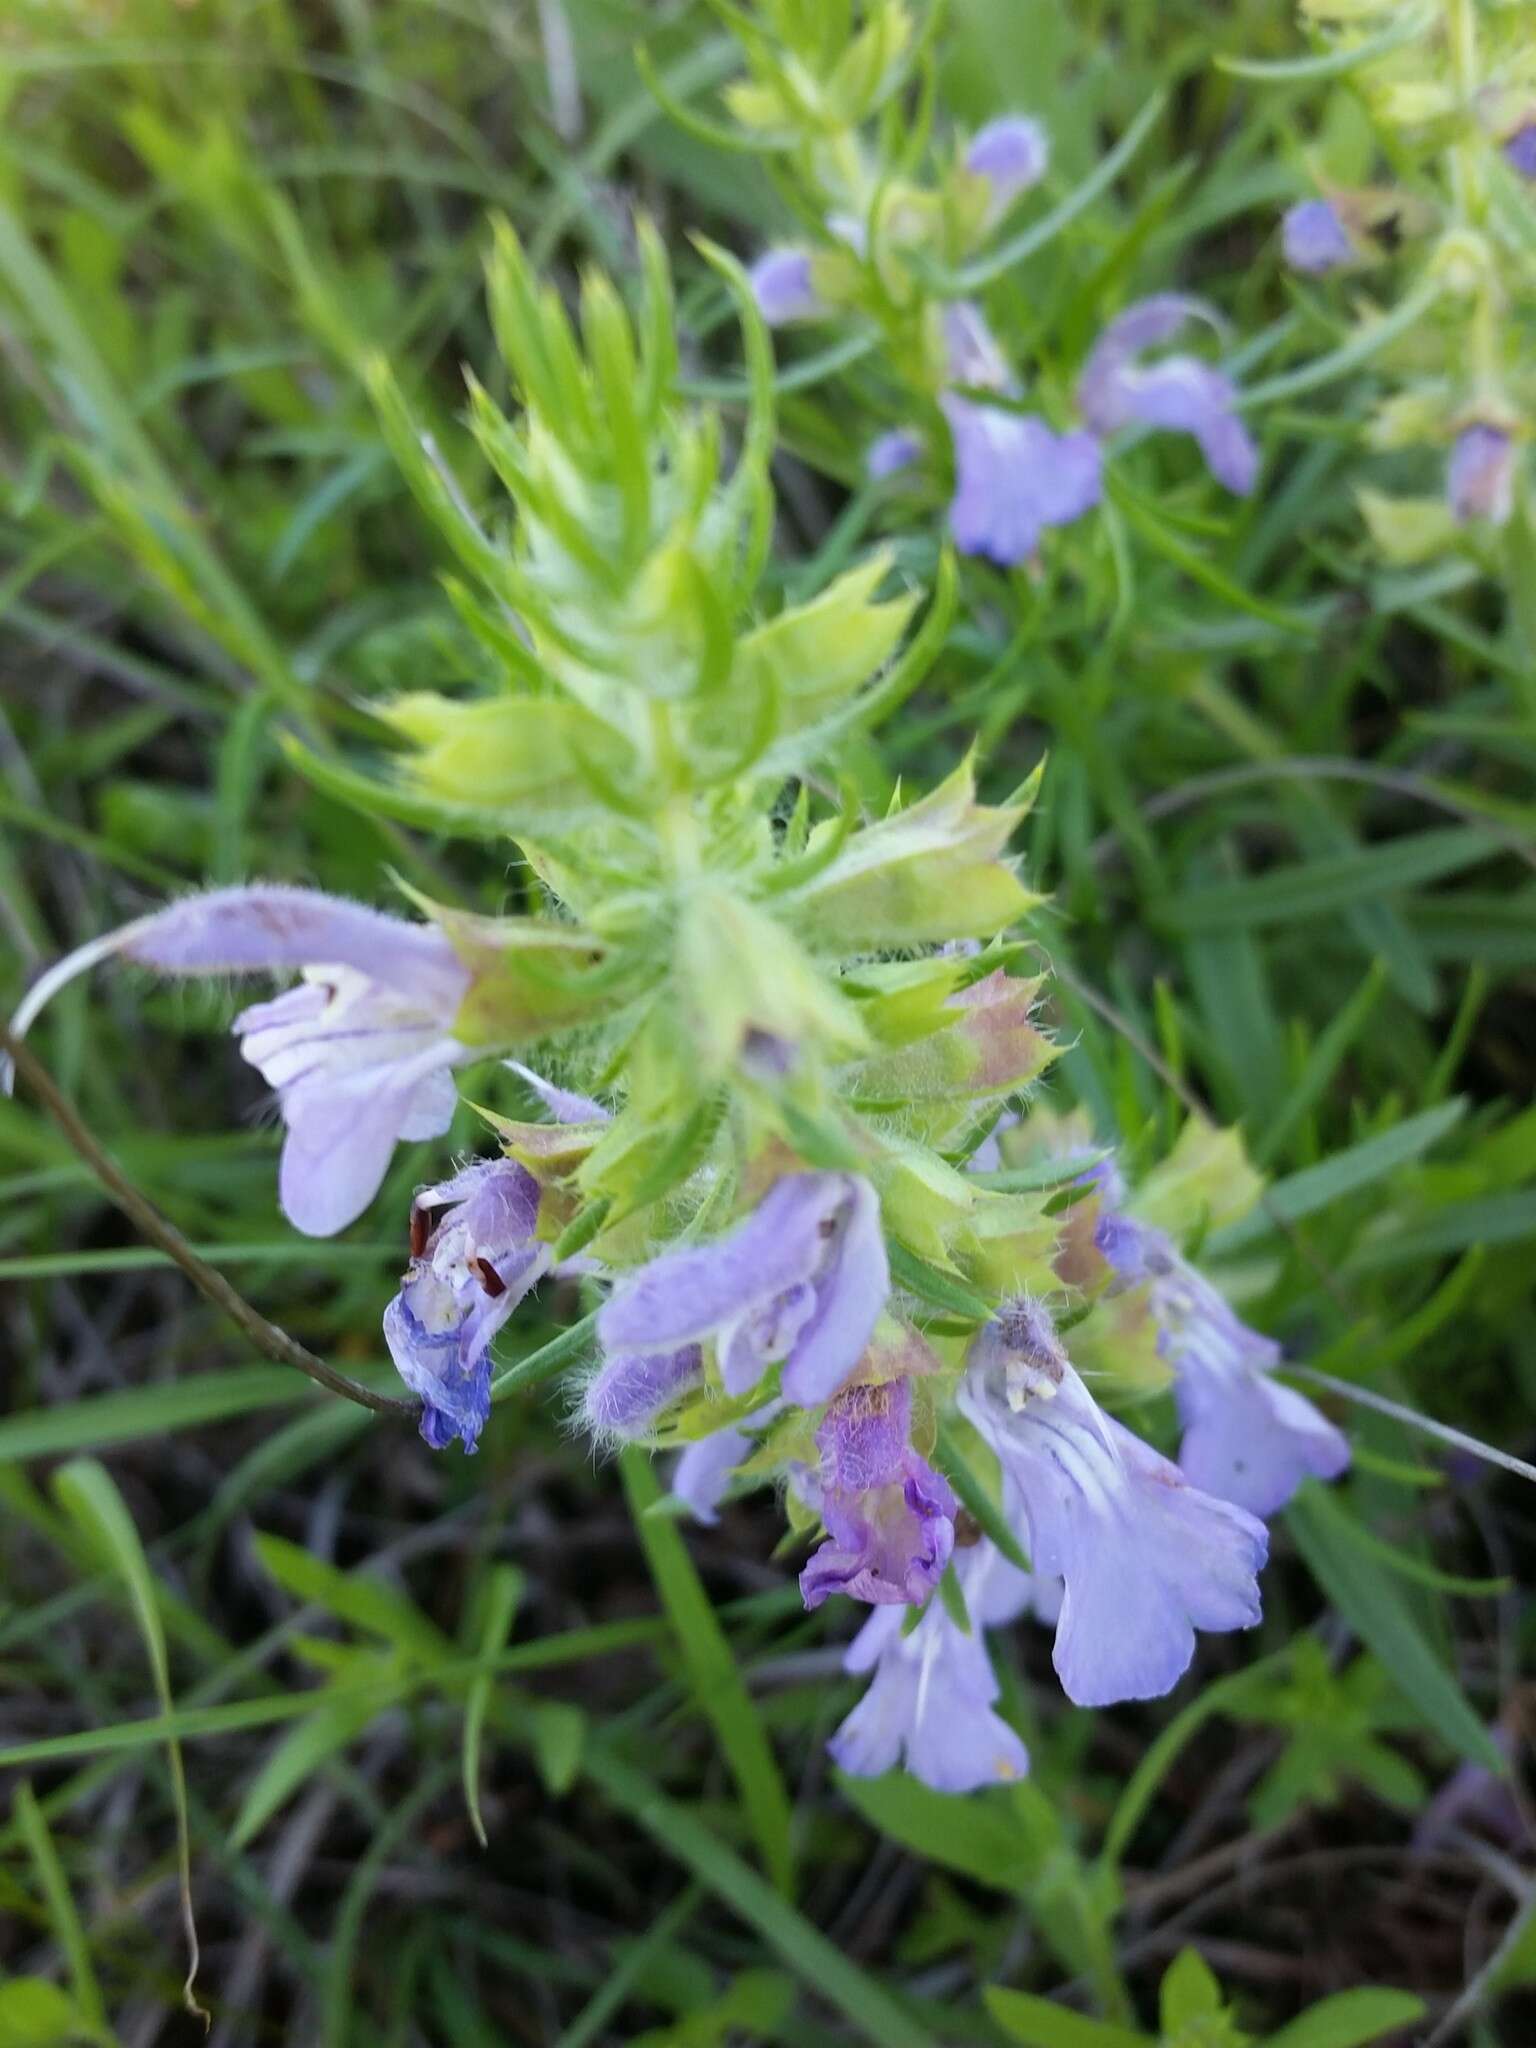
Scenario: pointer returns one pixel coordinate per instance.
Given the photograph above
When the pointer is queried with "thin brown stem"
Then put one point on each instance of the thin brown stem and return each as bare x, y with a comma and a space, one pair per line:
267, 1338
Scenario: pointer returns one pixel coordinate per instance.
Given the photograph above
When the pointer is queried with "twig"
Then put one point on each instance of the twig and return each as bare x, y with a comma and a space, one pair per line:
268, 1339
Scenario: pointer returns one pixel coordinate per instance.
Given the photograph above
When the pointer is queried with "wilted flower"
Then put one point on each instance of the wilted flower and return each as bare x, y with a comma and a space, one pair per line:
1480, 477
466, 1276
1247, 1437
782, 284
889, 1515
1178, 392
361, 1052
1014, 476
1011, 154
930, 1701
1314, 237
1145, 1557
803, 1279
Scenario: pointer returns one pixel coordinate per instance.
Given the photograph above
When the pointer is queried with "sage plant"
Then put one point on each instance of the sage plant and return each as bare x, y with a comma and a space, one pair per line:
781, 1060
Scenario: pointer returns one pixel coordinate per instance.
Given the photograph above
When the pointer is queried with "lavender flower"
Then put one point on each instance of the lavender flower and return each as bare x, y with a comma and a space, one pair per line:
703, 1471
803, 1279
930, 1701
634, 1388
891, 452
1520, 149
1011, 154
1480, 477
1179, 393
1247, 1438
1014, 476
1314, 237
1146, 1559
783, 286
465, 1278
361, 1052
889, 1515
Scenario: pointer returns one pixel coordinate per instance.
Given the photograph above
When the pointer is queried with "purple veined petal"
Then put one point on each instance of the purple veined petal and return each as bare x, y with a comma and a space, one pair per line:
564, 1104
1520, 149
1012, 153
889, 1515
784, 288
1254, 1440
342, 1130
704, 1470
268, 927
468, 1273
890, 453
1179, 393
632, 1389
852, 1285
1314, 237
1013, 478
1145, 1558
1183, 395
931, 1699
686, 1295
972, 357
1480, 477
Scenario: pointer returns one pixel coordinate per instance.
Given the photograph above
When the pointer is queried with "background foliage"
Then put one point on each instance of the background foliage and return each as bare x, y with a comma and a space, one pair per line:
1287, 828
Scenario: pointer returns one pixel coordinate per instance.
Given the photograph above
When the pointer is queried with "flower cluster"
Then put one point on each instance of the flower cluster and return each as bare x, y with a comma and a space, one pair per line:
1451, 93
809, 1043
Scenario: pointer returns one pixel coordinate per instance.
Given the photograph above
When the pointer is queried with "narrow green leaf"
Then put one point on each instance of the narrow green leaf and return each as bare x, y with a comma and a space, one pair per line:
63, 1916
1370, 1601
821, 1966
1041, 2023
355, 1597
713, 1673
503, 1592
302, 1752
1350, 2018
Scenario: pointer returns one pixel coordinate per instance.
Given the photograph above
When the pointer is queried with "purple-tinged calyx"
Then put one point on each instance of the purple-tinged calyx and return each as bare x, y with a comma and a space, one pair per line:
892, 452
1145, 1558
802, 1280
1314, 237
1480, 476
1248, 1438
931, 1702
468, 1272
1176, 393
890, 1517
1011, 154
784, 287
361, 1052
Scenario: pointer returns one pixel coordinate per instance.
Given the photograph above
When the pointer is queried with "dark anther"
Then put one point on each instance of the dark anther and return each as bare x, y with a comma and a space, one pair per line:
488, 1277
418, 1231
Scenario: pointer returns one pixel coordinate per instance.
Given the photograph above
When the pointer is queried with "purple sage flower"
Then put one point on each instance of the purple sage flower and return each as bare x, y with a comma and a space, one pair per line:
890, 1517
803, 1279
361, 1052
783, 287
1011, 154
1480, 477
1146, 1558
1178, 393
1014, 476
1247, 1437
467, 1274
1314, 237
704, 1470
633, 1389
931, 1699
891, 452
1520, 149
